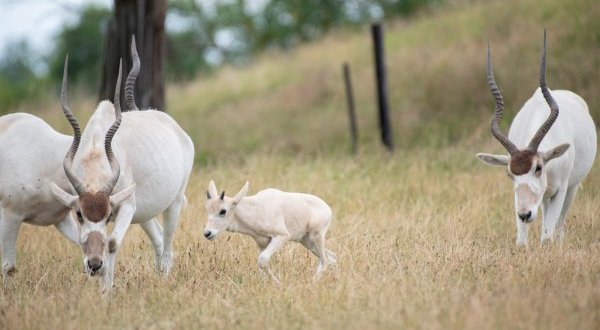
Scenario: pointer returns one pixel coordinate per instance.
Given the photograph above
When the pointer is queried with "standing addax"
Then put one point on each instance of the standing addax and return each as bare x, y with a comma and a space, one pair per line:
548, 155
127, 168
31, 154
272, 217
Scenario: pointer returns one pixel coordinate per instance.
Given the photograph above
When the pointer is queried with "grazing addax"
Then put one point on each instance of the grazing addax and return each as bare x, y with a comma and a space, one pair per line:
31, 158
548, 155
127, 168
272, 217
31, 155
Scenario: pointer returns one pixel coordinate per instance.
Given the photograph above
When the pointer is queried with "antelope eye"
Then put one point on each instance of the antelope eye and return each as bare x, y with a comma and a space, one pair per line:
222, 212
79, 216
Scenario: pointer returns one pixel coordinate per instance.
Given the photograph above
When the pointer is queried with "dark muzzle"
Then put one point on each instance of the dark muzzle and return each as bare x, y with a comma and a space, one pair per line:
525, 216
95, 264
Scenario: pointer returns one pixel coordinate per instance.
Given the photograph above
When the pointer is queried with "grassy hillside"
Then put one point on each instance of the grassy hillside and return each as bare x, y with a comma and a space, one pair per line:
436, 65
424, 237
295, 102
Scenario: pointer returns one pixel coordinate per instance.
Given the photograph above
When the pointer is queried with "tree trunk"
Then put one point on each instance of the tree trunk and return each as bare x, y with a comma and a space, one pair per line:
145, 19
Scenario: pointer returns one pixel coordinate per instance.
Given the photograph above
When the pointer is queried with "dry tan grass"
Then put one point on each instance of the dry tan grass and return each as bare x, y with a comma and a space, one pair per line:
424, 240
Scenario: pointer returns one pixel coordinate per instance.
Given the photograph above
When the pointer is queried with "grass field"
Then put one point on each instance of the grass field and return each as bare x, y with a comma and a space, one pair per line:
425, 238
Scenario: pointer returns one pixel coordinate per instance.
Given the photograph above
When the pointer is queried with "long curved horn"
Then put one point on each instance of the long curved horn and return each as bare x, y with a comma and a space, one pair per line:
494, 127
131, 77
68, 161
543, 130
114, 163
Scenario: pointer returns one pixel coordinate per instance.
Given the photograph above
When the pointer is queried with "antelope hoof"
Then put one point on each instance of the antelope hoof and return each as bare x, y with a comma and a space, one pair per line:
166, 262
9, 270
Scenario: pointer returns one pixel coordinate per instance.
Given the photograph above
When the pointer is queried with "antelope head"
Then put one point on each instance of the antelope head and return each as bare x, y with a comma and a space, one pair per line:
93, 206
526, 167
220, 209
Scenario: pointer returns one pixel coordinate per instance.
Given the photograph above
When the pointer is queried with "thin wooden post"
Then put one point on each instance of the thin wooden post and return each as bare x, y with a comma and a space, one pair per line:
351, 113
382, 101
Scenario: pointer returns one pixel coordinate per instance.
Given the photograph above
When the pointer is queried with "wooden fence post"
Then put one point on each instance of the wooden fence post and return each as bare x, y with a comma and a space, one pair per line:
382, 101
351, 113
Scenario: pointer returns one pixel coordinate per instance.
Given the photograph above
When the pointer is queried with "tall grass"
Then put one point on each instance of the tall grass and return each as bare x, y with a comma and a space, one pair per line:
424, 240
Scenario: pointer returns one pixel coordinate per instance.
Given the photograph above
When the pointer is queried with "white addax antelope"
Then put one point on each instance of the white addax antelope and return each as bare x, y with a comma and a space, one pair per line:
31, 157
272, 217
31, 154
549, 155
145, 176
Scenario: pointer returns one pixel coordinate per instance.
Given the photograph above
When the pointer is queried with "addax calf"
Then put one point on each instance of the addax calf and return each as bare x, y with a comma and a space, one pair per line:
272, 217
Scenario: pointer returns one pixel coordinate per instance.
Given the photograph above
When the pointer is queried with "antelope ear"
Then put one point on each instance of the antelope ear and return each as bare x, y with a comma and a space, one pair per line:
212, 190
241, 194
493, 160
122, 195
64, 197
555, 152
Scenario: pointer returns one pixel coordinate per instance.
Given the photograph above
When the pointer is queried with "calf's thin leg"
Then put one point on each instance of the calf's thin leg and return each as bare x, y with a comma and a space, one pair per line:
309, 244
265, 256
327, 255
330, 255
319, 243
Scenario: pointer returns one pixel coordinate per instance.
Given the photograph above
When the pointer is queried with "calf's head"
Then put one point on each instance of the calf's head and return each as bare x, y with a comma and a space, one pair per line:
526, 167
93, 207
220, 210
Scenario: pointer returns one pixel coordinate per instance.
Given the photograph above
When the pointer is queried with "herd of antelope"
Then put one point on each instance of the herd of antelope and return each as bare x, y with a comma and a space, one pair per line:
129, 167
